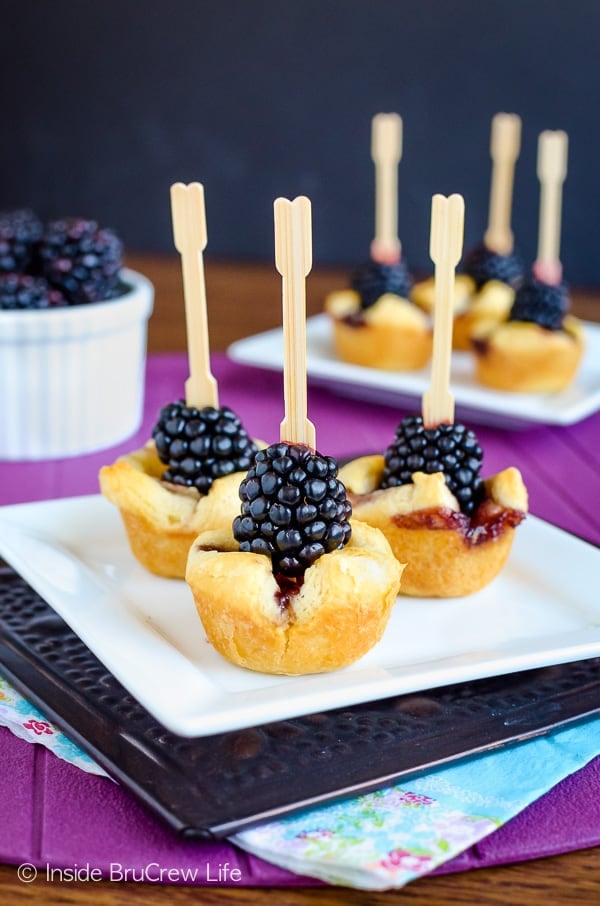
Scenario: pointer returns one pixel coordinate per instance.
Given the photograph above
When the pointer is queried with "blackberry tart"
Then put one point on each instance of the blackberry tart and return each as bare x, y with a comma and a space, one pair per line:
537, 348
483, 292
491, 270
294, 585
425, 493
185, 480
374, 322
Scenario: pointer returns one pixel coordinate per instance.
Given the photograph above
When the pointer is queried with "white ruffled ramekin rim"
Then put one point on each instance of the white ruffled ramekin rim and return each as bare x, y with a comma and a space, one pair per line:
72, 379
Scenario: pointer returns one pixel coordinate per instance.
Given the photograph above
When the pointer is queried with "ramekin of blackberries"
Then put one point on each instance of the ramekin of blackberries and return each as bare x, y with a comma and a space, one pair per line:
73, 325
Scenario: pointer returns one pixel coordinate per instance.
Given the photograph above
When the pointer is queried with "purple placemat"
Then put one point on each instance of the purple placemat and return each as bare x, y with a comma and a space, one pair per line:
345, 427
54, 813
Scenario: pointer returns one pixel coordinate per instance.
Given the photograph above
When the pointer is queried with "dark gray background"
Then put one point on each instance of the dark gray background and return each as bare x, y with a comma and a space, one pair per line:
105, 104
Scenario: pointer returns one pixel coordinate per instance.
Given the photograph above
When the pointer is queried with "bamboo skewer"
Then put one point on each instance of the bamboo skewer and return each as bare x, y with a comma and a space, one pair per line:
446, 242
293, 260
552, 172
504, 149
189, 232
386, 151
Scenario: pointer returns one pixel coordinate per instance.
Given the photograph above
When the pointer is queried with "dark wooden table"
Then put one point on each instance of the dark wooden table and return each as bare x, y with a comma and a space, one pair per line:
244, 299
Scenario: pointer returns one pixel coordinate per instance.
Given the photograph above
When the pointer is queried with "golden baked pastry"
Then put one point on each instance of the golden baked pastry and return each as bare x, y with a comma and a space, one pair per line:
270, 623
161, 519
472, 307
392, 334
448, 553
525, 357
293, 586
186, 479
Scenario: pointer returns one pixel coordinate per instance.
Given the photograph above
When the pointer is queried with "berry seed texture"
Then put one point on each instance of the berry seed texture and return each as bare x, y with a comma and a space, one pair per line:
294, 508
200, 445
451, 449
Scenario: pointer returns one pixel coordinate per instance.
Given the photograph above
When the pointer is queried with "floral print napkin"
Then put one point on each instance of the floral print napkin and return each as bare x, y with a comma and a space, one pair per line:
387, 838
26, 722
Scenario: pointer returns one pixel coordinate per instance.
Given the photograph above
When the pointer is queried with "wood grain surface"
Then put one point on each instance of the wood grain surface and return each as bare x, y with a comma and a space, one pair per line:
244, 299
572, 879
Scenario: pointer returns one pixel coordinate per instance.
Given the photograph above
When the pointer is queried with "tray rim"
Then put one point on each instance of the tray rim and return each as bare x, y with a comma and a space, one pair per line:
150, 783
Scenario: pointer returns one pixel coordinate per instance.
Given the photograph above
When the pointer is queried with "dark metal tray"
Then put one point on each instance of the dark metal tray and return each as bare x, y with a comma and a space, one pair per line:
217, 785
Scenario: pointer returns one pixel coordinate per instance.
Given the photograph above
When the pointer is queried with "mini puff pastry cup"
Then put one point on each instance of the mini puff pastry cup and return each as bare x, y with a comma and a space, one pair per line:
338, 614
524, 357
491, 304
162, 520
393, 334
448, 554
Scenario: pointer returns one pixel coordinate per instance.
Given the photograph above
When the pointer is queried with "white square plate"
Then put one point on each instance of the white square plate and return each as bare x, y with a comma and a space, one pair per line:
480, 404
543, 609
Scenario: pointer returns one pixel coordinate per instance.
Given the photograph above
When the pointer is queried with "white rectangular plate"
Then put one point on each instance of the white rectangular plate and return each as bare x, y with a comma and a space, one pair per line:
479, 403
543, 609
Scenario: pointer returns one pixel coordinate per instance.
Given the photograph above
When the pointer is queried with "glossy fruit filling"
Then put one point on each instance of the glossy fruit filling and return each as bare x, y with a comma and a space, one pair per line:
288, 588
487, 523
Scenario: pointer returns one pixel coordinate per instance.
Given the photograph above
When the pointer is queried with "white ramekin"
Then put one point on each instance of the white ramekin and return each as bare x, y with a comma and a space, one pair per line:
72, 379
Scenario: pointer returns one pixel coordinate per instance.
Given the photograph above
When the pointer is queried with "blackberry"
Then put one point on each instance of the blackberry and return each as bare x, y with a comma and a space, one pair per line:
20, 291
373, 279
540, 303
199, 445
482, 265
294, 508
451, 449
20, 231
82, 260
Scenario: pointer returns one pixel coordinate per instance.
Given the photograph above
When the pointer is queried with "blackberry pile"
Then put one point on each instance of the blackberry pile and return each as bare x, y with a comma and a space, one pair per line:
451, 449
373, 279
73, 261
294, 508
541, 304
20, 231
20, 291
200, 445
82, 260
482, 265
